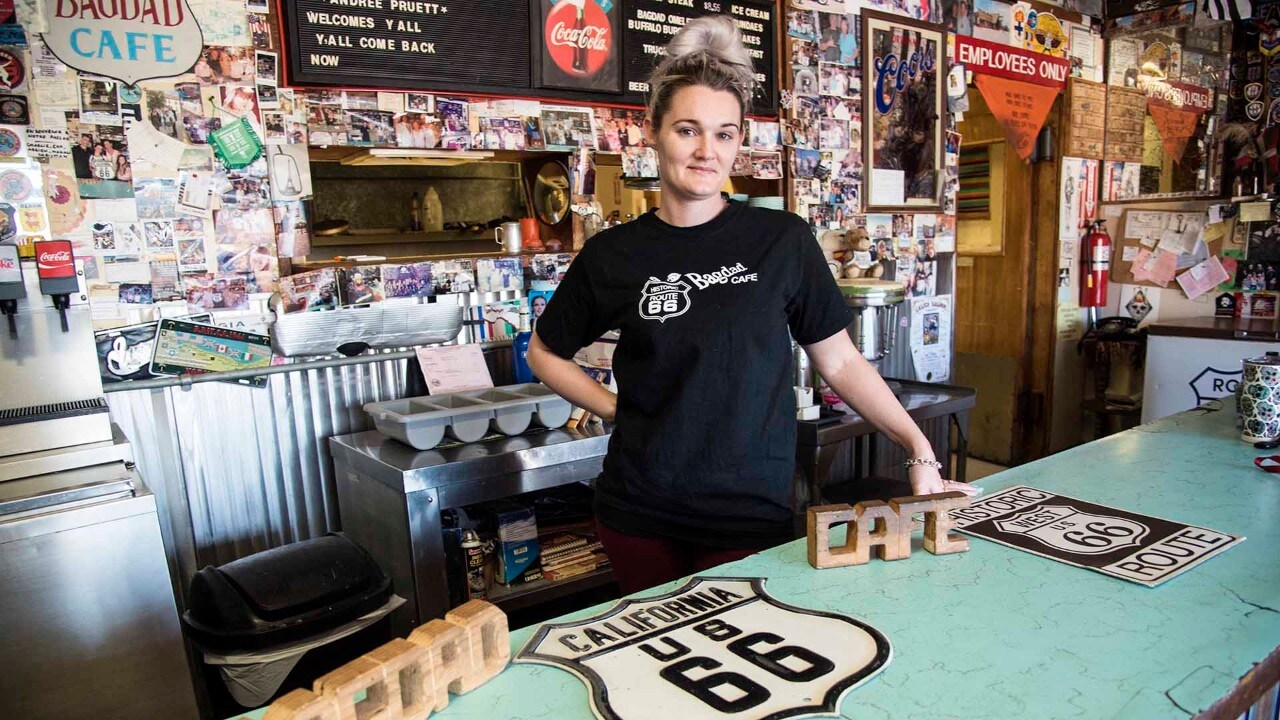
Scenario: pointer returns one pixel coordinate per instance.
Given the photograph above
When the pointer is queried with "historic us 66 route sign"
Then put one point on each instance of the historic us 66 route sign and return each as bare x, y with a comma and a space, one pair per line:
714, 648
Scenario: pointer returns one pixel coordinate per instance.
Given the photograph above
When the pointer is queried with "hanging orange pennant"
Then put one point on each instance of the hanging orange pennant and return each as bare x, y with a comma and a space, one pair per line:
1176, 108
1021, 107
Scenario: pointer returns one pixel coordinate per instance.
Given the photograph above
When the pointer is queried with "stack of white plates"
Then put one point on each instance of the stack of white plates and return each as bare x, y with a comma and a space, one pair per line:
772, 202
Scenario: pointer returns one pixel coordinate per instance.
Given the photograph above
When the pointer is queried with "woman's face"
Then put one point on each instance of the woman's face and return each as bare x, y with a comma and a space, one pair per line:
698, 140
539, 304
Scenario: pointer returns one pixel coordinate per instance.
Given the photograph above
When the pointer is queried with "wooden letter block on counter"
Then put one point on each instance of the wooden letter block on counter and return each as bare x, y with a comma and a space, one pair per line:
877, 527
444, 641
302, 705
468, 648
487, 642
409, 679
938, 521
886, 527
820, 518
348, 682
406, 668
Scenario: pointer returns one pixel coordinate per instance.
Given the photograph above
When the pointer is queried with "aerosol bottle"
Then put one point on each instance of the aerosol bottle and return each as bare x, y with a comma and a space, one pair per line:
473, 556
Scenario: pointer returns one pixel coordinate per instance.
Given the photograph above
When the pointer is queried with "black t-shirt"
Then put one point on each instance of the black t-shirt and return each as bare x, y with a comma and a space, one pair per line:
703, 447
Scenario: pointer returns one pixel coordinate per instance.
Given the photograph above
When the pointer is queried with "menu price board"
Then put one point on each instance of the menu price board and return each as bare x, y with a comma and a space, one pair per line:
451, 45
503, 48
649, 24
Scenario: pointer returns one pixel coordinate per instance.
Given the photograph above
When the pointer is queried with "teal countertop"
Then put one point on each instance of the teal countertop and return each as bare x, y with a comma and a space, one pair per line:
999, 633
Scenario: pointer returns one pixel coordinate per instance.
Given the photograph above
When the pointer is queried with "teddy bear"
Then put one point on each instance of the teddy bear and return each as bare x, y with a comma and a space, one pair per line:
857, 256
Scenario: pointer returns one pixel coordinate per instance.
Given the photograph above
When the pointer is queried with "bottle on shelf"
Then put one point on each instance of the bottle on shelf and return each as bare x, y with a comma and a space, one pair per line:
432, 212
415, 214
520, 349
473, 556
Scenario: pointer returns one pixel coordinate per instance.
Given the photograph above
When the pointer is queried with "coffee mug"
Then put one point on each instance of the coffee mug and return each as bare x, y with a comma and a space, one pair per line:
530, 234
508, 236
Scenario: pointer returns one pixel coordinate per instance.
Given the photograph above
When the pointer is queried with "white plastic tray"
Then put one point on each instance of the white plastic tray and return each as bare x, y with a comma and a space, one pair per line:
422, 422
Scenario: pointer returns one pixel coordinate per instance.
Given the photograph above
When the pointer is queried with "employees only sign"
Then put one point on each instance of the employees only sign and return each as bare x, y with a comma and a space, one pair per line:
988, 58
713, 648
1138, 548
1019, 86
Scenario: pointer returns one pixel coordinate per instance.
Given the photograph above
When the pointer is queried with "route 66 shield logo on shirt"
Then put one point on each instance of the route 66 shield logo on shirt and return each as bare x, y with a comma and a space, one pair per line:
713, 648
662, 300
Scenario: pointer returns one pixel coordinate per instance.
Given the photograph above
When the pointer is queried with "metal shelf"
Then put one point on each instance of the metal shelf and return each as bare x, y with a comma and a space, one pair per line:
540, 591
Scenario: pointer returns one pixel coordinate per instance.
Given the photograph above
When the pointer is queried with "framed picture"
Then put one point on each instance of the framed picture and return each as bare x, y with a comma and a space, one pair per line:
577, 45
903, 107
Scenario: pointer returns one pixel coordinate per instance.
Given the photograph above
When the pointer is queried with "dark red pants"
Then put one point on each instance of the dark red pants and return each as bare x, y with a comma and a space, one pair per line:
642, 562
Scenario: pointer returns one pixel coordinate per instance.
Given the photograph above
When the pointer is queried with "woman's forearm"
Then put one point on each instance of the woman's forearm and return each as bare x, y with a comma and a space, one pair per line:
568, 380
858, 384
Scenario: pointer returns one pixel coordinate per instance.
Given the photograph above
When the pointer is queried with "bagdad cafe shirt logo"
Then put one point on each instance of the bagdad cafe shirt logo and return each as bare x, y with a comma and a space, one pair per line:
662, 300
713, 648
127, 40
1138, 548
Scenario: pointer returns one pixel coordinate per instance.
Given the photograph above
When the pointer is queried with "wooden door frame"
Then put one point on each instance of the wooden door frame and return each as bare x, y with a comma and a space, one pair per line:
1032, 418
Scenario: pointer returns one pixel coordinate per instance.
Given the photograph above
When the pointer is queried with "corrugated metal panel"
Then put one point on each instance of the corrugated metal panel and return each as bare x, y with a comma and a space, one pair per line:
241, 469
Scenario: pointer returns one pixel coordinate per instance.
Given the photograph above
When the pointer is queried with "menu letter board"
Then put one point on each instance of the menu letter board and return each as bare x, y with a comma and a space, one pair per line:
649, 24
539, 48
453, 45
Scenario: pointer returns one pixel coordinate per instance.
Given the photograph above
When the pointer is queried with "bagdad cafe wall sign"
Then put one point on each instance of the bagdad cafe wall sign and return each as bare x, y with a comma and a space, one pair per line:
1019, 86
1137, 548
129, 40
713, 648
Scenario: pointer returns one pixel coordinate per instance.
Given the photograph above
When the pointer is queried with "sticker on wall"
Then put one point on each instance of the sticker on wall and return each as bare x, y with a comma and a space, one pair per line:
236, 145
14, 110
108, 39
13, 71
651, 656
15, 186
10, 143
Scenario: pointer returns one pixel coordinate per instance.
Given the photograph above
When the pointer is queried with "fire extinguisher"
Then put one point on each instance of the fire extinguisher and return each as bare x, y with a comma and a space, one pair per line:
1097, 266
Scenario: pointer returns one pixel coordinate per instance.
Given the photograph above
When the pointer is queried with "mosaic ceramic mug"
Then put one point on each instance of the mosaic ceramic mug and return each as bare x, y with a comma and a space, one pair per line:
1260, 399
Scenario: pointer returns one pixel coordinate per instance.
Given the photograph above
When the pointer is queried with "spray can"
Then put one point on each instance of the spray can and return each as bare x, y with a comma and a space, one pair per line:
473, 557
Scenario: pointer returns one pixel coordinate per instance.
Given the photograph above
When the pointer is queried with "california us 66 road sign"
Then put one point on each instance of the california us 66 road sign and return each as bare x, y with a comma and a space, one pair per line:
713, 648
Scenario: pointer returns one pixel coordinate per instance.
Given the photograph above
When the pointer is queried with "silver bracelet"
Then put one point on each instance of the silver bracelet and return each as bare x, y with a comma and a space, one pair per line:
922, 461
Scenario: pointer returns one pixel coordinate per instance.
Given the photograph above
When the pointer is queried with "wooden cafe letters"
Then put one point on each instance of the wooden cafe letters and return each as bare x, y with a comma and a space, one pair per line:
886, 527
409, 679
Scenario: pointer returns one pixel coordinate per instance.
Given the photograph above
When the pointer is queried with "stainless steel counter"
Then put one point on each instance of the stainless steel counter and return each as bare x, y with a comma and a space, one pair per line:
391, 497
87, 611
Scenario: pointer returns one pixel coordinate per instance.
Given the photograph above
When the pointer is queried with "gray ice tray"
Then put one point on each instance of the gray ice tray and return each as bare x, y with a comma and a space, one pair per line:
467, 416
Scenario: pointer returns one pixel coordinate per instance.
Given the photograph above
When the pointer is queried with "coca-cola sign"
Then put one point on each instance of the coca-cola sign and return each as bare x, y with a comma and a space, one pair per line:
54, 259
579, 45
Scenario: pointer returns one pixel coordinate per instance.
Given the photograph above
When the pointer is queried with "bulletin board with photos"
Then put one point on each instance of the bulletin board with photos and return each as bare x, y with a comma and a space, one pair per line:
1166, 105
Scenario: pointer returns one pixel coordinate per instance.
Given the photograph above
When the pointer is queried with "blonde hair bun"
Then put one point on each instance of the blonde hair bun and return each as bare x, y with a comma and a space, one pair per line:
715, 35
707, 51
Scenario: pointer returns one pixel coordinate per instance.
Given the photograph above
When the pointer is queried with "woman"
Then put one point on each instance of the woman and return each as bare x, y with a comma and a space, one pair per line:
704, 292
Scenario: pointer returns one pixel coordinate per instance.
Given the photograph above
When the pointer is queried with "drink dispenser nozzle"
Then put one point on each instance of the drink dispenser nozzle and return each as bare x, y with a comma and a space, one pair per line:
11, 287
56, 266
